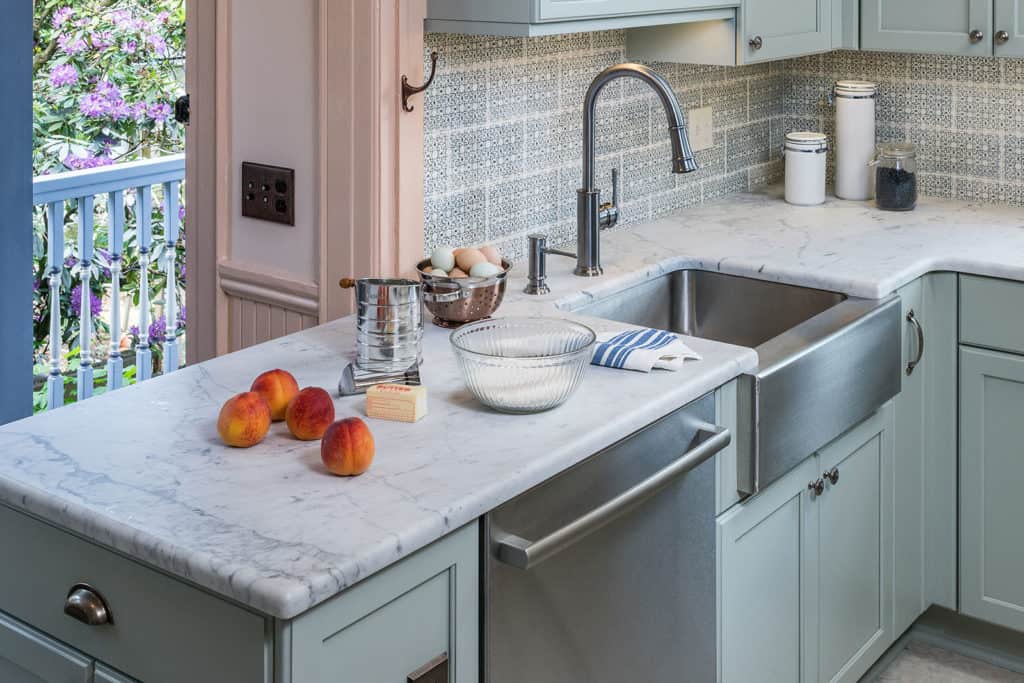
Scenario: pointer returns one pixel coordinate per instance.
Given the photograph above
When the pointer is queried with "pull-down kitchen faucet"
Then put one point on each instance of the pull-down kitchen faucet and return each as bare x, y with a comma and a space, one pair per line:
591, 214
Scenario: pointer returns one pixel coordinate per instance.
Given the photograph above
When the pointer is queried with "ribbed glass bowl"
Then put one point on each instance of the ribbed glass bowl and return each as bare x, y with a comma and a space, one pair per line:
523, 365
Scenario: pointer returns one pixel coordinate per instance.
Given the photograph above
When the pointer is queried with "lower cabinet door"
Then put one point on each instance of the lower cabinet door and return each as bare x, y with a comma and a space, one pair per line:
767, 563
855, 550
991, 478
29, 656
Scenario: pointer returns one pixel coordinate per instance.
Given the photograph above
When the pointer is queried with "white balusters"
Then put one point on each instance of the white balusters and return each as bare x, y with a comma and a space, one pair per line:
171, 225
85, 224
115, 218
54, 270
144, 227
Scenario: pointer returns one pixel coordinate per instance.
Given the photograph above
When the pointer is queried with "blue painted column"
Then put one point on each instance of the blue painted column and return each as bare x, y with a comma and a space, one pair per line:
16, 213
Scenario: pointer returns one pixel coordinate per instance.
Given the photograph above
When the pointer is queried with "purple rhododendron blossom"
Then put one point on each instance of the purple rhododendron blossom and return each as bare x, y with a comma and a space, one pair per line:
130, 47
105, 100
181, 212
77, 163
158, 330
93, 105
101, 40
63, 74
71, 45
95, 303
159, 111
181, 316
61, 16
158, 44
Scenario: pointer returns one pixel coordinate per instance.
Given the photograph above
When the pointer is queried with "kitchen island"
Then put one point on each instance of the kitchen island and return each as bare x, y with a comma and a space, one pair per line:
142, 472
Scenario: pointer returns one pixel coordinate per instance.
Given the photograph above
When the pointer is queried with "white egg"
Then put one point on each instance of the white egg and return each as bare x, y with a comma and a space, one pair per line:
443, 258
437, 272
484, 269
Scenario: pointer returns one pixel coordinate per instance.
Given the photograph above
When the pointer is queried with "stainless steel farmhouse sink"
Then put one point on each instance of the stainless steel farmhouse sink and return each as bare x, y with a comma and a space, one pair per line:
825, 361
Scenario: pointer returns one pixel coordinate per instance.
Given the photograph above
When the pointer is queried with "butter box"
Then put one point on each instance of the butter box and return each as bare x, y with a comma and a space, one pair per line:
396, 402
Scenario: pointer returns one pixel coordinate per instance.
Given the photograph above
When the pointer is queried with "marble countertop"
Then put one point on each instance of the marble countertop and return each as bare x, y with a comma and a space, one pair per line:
142, 470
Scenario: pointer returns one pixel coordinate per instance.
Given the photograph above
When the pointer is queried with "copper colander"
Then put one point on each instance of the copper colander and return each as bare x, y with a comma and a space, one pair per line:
457, 301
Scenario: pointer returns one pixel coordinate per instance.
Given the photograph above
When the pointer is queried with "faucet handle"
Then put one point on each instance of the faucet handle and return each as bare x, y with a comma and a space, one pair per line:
608, 212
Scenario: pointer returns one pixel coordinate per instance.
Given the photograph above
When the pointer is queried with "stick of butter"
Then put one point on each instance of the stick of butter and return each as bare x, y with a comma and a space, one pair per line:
396, 402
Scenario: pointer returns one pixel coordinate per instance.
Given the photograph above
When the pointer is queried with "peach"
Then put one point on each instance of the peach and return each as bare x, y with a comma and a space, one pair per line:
278, 387
347, 447
244, 420
310, 413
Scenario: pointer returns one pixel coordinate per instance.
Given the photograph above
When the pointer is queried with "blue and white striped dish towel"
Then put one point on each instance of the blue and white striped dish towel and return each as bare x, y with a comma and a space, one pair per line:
642, 350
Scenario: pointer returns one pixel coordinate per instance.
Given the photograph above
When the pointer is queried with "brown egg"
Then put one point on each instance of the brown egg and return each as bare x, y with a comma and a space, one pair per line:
428, 269
457, 272
468, 258
491, 254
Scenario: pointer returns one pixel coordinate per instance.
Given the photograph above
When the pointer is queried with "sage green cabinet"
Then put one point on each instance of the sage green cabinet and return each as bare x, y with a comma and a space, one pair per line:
104, 674
420, 612
960, 27
28, 656
1008, 28
991, 473
785, 28
924, 460
805, 578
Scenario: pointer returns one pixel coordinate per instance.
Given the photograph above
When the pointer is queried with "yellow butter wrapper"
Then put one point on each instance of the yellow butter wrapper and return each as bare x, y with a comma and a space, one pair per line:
396, 402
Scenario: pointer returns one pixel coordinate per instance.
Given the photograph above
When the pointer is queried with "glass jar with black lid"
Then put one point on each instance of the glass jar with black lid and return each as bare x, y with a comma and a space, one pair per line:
895, 176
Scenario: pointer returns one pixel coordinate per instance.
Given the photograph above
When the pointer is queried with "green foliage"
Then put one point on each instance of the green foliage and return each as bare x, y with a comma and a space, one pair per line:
106, 75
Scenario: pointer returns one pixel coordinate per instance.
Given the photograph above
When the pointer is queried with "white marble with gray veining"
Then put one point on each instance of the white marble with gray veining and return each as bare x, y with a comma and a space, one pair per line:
142, 470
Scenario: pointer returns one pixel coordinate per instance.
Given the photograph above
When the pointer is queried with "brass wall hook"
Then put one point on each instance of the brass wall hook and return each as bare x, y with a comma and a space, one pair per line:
409, 90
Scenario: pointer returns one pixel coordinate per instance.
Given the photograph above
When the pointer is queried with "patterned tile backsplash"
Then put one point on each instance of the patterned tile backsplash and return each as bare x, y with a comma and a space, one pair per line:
503, 130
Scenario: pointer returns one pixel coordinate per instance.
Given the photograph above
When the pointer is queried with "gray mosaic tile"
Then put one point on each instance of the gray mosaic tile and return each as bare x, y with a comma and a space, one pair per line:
872, 66
622, 126
520, 88
680, 197
554, 139
747, 145
968, 154
728, 100
766, 174
717, 188
522, 204
456, 99
458, 50
646, 170
484, 155
955, 68
557, 44
603, 39
1012, 71
435, 163
811, 64
767, 97
807, 95
989, 191
694, 75
935, 185
458, 218
927, 104
631, 213
579, 69
1013, 159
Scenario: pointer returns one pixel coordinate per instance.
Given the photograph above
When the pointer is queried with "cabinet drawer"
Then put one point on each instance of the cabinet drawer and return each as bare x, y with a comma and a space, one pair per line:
161, 629
992, 313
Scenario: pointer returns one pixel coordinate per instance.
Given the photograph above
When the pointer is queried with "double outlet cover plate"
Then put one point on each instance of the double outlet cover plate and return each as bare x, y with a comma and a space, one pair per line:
268, 193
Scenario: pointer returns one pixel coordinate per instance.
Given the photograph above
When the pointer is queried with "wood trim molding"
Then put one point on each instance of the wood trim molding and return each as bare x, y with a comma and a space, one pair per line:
257, 284
222, 178
371, 168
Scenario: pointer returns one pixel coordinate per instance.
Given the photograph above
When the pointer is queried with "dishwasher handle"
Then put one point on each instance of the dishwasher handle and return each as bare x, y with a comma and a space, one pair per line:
525, 554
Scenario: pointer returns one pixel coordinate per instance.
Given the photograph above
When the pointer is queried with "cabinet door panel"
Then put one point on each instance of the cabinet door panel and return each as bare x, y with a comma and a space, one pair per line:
563, 10
28, 656
787, 28
767, 582
1010, 18
931, 26
991, 472
854, 550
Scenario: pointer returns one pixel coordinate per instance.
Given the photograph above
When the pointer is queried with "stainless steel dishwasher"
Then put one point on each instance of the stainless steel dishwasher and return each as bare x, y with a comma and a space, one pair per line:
606, 573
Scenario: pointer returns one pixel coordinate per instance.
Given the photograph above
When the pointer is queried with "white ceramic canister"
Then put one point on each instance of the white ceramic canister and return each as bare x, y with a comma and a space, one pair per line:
805, 155
855, 138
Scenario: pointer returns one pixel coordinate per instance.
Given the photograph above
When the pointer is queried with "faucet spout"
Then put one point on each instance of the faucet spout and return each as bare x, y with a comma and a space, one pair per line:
591, 214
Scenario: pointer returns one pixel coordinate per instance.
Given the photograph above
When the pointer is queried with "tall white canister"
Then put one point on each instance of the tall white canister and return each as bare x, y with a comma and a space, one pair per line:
855, 138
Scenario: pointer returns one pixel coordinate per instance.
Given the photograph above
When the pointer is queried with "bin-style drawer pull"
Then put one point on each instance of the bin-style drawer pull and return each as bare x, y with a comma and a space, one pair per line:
85, 604
434, 671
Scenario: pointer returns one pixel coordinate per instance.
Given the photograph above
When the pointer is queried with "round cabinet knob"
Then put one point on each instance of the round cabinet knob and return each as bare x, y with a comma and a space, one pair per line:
976, 36
833, 476
756, 43
85, 604
1002, 37
817, 487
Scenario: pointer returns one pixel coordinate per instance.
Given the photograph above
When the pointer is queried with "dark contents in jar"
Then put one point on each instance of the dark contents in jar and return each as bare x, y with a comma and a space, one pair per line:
895, 189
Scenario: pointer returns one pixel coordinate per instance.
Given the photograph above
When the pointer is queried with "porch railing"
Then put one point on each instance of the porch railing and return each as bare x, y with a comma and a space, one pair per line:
110, 183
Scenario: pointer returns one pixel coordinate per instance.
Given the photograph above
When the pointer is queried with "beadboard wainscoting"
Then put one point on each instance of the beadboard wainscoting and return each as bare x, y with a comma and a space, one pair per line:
264, 306
503, 130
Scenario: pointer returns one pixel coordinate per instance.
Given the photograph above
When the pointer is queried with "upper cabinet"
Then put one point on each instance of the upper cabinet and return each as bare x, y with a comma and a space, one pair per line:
961, 27
786, 28
547, 17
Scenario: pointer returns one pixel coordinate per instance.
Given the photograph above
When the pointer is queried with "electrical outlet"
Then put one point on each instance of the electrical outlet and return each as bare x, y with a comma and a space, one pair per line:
700, 129
268, 193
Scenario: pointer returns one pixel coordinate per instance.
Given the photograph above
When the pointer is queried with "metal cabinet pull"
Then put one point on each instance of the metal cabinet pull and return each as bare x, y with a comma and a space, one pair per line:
976, 36
817, 487
524, 554
434, 671
85, 604
833, 476
756, 43
912, 319
1002, 37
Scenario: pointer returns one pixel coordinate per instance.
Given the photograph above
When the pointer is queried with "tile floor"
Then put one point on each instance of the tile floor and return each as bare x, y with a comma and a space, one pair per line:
921, 663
